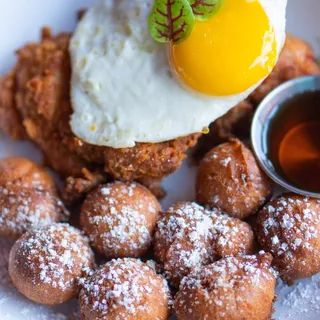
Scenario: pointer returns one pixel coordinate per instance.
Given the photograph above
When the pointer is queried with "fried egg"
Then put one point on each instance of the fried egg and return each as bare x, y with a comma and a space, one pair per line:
127, 88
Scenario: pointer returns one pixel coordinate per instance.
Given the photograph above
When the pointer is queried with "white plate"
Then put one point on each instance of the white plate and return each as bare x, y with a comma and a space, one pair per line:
20, 22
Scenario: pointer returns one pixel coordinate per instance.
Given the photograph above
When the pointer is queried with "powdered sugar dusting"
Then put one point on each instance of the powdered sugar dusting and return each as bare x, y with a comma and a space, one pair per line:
217, 284
289, 228
125, 224
58, 253
25, 206
125, 287
120, 217
14, 306
299, 301
226, 161
188, 236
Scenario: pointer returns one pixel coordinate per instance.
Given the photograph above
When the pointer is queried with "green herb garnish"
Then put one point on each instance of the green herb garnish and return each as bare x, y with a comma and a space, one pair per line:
171, 20
205, 9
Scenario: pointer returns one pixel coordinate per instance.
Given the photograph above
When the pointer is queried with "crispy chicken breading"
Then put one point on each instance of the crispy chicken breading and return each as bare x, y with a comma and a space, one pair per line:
35, 102
10, 120
36, 94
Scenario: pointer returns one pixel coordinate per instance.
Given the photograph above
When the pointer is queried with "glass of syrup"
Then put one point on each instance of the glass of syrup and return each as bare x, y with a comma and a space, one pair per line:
286, 135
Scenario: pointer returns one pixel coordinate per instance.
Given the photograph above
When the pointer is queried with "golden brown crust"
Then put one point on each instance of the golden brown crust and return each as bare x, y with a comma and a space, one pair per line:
28, 197
42, 77
10, 120
230, 179
120, 219
76, 188
144, 160
42, 99
125, 289
234, 288
46, 264
289, 227
188, 236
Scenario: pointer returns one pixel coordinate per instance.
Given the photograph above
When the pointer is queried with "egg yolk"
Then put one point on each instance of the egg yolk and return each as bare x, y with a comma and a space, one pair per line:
229, 53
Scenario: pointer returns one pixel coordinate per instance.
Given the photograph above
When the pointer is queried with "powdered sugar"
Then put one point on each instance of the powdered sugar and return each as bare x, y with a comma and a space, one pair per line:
289, 228
126, 223
49, 262
14, 306
299, 301
25, 206
125, 287
119, 218
226, 161
220, 284
189, 236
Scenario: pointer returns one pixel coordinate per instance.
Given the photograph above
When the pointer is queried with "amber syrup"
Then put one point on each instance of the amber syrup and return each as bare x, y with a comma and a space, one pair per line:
293, 136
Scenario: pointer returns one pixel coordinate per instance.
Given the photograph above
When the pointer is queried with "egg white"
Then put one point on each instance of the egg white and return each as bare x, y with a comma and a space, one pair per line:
122, 88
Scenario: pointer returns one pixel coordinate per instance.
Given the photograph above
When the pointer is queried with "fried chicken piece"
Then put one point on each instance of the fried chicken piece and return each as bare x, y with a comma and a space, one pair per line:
42, 100
57, 155
76, 188
296, 59
39, 96
10, 121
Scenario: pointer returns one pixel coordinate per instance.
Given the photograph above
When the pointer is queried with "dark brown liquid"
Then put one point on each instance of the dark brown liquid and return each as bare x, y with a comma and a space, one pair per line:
294, 141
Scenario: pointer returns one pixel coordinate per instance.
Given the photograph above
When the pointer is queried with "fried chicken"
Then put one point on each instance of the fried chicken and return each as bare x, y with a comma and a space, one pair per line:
35, 102
10, 120
296, 59
35, 97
